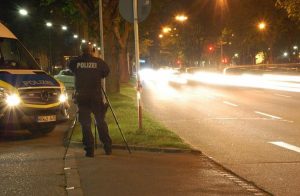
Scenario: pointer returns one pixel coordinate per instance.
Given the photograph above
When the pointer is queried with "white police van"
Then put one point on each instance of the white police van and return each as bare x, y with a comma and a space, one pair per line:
29, 97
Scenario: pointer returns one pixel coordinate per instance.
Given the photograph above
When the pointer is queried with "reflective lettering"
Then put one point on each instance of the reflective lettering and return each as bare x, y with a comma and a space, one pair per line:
38, 82
86, 65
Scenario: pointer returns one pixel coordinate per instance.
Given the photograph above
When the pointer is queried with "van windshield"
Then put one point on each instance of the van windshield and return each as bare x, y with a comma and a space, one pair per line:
13, 55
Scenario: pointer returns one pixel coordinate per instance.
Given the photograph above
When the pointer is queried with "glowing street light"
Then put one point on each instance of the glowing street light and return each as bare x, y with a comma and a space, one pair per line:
83, 41
262, 25
295, 47
75, 36
160, 35
49, 24
181, 18
23, 12
64, 27
166, 30
285, 54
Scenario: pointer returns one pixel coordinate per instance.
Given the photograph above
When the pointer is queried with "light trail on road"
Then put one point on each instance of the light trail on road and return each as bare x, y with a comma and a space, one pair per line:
265, 81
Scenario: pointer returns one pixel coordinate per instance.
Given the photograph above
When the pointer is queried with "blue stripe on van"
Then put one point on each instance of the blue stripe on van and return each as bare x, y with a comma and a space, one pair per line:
28, 80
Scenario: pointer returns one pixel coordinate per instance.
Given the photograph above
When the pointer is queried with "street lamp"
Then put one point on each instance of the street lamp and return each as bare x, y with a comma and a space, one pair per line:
262, 25
181, 18
49, 25
64, 27
23, 12
75, 36
166, 30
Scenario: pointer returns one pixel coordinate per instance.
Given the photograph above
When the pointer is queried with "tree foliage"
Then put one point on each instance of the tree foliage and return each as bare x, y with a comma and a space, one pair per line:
291, 6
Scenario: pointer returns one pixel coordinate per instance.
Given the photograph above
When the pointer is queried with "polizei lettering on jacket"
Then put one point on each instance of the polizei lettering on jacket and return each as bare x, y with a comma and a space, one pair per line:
86, 65
38, 83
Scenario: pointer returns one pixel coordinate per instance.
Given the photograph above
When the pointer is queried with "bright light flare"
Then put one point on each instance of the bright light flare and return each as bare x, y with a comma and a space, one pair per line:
63, 98
166, 30
64, 27
49, 24
181, 18
13, 100
262, 25
23, 12
274, 82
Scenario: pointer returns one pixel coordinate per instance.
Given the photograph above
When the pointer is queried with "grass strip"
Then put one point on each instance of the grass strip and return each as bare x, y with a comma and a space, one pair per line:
153, 133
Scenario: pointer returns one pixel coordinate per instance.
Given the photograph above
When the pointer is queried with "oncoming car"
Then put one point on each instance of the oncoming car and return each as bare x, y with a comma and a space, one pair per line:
67, 78
29, 97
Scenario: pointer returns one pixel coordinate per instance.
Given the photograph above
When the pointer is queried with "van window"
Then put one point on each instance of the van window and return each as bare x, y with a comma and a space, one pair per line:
13, 55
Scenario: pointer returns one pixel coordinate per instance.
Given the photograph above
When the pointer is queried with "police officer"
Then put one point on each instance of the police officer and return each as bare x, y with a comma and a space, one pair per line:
89, 71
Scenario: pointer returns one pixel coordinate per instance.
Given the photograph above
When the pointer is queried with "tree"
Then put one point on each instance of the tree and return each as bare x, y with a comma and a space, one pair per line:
291, 6
116, 32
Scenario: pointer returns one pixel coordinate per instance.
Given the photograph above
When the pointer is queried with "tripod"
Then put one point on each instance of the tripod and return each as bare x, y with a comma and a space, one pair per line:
116, 120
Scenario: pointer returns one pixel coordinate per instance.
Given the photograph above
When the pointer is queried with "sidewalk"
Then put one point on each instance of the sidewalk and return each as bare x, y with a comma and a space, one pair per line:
150, 173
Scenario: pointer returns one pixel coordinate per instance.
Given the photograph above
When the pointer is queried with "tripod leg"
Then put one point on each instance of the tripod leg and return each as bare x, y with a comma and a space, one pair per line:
95, 135
116, 120
69, 139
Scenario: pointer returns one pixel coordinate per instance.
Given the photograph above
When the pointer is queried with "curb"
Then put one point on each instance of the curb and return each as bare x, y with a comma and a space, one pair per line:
143, 148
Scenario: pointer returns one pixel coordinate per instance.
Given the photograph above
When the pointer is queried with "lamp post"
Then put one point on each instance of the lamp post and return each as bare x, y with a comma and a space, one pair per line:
49, 25
262, 26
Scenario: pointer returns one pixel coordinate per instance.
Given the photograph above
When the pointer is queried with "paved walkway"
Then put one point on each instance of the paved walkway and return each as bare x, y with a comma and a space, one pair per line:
151, 173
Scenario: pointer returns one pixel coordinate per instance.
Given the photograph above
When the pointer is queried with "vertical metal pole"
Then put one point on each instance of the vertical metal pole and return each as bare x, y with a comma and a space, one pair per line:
137, 61
102, 39
50, 69
101, 28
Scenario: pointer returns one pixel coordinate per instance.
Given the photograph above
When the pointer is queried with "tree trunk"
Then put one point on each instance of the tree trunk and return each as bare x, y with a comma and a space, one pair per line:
124, 71
112, 82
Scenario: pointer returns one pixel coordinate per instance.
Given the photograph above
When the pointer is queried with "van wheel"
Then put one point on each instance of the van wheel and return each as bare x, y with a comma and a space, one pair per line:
40, 129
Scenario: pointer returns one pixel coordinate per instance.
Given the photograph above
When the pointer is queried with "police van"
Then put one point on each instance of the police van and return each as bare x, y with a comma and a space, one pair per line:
29, 97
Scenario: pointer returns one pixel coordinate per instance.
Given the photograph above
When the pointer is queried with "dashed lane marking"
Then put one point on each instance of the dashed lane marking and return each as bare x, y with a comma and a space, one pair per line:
229, 103
280, 95
286, 146
268, 115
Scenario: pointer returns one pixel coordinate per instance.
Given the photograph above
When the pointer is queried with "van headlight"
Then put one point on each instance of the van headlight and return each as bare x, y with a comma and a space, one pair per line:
63, 97
12, 100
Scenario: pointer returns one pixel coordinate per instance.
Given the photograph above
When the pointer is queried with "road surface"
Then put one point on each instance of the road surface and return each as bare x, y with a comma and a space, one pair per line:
253, 132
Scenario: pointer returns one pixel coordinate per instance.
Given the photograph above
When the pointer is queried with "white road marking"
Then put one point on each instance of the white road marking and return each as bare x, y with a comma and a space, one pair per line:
280, 95
231, 104
286, 145
268, 115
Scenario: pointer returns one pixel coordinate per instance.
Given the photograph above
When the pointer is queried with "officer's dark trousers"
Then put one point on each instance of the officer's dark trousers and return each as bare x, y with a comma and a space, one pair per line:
97, 108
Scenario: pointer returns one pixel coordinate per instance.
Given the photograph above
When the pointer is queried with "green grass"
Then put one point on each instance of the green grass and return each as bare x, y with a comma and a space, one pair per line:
153, 134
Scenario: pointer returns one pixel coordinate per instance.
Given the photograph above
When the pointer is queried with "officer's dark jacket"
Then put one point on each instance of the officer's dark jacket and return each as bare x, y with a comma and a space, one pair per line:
88, 71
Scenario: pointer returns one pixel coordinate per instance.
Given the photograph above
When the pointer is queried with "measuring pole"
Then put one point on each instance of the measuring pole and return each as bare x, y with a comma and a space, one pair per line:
102, 40
137, 62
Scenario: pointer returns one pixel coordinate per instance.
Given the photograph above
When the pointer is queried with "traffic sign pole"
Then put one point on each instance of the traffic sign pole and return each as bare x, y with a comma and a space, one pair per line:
137, 62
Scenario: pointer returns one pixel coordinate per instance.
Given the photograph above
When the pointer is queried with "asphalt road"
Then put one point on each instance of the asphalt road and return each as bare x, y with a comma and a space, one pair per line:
32, 165
253, 132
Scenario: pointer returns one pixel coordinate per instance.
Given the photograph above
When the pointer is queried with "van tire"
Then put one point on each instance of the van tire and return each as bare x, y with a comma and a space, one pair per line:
41, 129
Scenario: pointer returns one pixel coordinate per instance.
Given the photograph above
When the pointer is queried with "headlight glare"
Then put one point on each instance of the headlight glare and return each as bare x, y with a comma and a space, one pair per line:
63, 97
13, 100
